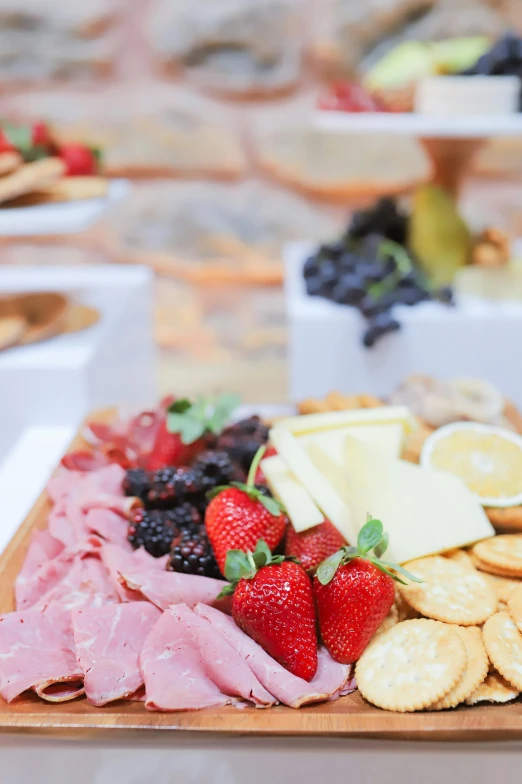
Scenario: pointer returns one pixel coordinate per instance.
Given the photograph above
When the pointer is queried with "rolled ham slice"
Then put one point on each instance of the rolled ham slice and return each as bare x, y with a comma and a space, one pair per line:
108, 645
167, 588
37, 652
328, 681
174, 672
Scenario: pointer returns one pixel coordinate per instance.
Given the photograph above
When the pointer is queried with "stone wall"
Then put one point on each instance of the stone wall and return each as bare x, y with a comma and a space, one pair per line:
207, 107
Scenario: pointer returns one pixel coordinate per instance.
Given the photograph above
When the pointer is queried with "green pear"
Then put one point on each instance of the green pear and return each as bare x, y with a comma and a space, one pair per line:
458, 54
402, 65
438, 236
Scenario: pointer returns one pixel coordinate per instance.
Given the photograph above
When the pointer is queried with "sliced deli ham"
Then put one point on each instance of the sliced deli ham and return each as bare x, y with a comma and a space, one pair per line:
222, 664
42, 549
287, 688
37, 652
175, 675
86, 584
29, 589
166, 588
109, 641
109, 525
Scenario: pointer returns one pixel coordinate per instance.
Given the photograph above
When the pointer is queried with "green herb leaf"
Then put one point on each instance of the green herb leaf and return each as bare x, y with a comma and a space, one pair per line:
383, 568
223, 408
237, 565
369, 536
326, 570
381, 548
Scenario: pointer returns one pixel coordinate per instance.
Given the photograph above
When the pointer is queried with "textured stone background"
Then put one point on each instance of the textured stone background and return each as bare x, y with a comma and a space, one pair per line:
207, 106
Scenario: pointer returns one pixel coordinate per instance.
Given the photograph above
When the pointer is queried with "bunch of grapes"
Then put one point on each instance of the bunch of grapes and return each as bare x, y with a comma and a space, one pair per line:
503, 59
371, 269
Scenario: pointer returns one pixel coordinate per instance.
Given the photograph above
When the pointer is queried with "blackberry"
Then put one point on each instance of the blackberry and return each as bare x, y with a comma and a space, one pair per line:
153, 530
242, 440
184, 516
137, 483
215, 468
192, 554
170, 486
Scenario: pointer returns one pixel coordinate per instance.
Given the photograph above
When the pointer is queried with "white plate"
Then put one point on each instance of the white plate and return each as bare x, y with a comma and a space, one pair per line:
66, 218
412, 124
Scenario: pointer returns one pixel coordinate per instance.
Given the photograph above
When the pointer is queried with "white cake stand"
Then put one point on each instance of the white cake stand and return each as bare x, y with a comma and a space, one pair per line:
451, 142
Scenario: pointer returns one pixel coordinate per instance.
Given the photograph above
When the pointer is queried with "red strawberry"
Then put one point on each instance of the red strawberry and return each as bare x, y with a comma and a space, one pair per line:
354, 592
185, 430
314, 545
80, 160
41, 135
273, 603
260, 477
238, 516
5, 143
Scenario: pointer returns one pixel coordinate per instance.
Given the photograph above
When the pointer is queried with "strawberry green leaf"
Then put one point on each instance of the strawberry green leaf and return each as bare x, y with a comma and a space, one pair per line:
237, 565
370, 536
272, 505
381, 566
223, 408
403, 571
179, 406
227, 590
326, 570
262, 547
259, 559
188, 428
210, 494
381, 548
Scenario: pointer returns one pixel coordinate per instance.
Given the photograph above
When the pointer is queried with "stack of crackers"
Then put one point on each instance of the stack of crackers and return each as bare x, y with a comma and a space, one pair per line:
30, 318
453, 639
42, 182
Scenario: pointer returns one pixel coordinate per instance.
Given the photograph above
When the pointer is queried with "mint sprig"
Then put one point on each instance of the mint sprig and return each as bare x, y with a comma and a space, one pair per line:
372, 543
193, 419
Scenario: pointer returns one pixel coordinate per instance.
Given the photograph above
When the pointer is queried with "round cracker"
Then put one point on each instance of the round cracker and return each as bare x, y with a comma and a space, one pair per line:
503, 644
460, 557
411, 666
495, 688
449, 592
495, 571
501, 552
475, 672
405, 611
515, 606
503, 586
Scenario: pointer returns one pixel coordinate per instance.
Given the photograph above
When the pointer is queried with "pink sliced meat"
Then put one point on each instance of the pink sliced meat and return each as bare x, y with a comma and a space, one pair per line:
108, 645
29, 589
63, 485
108, 525
42, 549
287, 688
222, 664
119, 504
143, 560
173, 670
37, 652
86, 584
118, 559
83, 460
166, 588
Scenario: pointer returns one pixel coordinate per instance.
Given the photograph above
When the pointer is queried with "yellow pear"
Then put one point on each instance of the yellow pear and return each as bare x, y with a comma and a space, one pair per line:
438, 236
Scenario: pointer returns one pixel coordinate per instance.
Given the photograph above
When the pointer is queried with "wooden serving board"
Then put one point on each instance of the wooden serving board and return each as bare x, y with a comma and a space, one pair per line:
349, 716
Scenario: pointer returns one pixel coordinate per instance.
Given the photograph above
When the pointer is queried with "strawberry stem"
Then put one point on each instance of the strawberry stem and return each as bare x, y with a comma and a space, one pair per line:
255, 465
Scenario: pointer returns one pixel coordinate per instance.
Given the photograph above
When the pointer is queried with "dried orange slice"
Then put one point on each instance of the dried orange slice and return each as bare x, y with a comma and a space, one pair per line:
488, 459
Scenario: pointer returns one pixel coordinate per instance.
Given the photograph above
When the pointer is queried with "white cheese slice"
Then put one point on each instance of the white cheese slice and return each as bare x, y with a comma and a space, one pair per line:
424, 512
388, 438
316, 483
329, 420
301, 509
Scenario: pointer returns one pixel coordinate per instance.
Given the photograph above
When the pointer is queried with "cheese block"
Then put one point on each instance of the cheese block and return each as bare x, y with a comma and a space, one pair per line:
316, 483
330, 420
388, 438
423, 511
300, 507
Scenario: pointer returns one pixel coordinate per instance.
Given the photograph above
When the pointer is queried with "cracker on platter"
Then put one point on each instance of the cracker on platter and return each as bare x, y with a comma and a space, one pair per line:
475, 672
